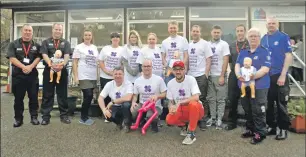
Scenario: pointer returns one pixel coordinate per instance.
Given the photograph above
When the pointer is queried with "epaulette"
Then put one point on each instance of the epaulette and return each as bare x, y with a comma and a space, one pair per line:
283, 33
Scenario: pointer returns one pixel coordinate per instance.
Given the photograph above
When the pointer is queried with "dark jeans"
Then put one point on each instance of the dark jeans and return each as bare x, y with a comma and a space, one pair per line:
277, 114
233, 96
48, 94
203, 85
20, 85
255, 110
121, 114
103, 82
87, 98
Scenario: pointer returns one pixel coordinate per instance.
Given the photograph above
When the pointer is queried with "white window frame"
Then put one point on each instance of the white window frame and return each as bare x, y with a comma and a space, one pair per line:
16, 25
155, 21
71, 21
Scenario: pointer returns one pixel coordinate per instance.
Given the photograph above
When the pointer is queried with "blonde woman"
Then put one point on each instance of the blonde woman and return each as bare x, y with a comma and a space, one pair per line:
130, 54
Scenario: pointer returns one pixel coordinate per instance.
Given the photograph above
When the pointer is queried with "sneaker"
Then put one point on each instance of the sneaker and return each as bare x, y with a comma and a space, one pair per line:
203, 125
154, 126
281, 135
189, 139
219, 125
183, 131
86, 122
106, 121
247, 134
230, 127
271, 131
257, 139
210, 122
65, 120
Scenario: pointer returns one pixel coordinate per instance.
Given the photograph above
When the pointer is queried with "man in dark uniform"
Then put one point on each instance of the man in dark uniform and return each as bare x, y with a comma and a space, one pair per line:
48, 48
278, 44
24, 55
233, 88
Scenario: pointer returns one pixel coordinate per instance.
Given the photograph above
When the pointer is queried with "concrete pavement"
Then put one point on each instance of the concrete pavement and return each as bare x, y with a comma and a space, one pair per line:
101, 139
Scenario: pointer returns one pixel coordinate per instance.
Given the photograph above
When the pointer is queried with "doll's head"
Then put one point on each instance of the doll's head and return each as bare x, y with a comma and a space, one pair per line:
58, 54
176, 55
247, 62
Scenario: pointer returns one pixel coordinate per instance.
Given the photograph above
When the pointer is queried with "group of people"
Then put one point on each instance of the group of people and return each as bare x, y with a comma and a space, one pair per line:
190, 79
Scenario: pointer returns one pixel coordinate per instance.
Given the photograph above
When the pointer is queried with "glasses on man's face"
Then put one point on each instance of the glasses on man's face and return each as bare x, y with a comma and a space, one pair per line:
147, 66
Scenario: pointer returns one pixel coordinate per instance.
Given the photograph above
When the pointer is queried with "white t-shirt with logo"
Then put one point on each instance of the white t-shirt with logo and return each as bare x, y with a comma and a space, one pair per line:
180, 91
149, 87
219, 50
198, 53
155, 56
88, 61
111, 57
115, 92
245, 73
131, 54
170, 45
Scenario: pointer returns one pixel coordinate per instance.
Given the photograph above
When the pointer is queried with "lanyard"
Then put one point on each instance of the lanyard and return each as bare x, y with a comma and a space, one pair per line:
237, 48
56, 44
26, 51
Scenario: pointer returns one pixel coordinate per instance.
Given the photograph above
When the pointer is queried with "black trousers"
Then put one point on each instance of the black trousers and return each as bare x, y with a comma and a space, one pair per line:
103, 82
121, 114
277, 113
233, 96
297, 73
203, 85
20, 85
255, 110
48, 94
87, 98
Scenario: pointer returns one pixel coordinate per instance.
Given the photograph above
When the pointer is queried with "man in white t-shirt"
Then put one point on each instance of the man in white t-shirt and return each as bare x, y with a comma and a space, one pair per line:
200, 54
217, 86
174, 43
149, 87
121, 92
184, 105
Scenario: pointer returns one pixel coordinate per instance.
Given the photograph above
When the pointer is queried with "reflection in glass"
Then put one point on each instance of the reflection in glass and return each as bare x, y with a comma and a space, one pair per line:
156, 14
101, 14
40, 33
160, 29
101, 31
228, 29
217, 13
40, 17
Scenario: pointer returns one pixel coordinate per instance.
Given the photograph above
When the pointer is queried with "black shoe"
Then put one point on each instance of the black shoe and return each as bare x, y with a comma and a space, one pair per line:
230, 127
126, 128
271, 131
34, 121
45, 122
65, 120
202, 125
247, 134
282, 135
154, 126
257, 139
17, 123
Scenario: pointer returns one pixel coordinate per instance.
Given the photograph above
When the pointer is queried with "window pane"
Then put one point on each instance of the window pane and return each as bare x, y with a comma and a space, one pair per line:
160, 29
217, 13
156, 14
293, 29
102, 14
228, 29
40, 17
101, 31
40, 33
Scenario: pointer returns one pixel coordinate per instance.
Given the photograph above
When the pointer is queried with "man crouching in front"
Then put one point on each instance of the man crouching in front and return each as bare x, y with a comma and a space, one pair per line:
120, 91
184, 105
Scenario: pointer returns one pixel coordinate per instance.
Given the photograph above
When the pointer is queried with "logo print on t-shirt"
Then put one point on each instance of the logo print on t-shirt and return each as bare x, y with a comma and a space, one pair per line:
90, 52
156, 55
182, 92
147, 88
173, 45
213, 49
192, 51
118, 95
114, 54
135, 53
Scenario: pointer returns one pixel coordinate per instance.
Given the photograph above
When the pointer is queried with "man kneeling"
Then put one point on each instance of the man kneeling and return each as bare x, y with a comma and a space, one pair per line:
121, 93
184, 106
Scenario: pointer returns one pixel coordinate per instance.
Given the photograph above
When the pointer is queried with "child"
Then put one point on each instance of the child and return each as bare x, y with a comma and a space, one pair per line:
169, 71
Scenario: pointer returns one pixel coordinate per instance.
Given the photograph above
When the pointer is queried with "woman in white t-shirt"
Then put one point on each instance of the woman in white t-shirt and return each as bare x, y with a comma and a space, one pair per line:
151, 52
109, 58
85, 72
129, 56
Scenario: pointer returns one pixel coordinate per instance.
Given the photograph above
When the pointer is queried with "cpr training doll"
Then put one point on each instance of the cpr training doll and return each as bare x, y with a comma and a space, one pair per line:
56, 59
247, 72
176, 57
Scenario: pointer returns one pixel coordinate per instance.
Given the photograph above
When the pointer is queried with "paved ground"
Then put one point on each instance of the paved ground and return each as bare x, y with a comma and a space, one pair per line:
101, 139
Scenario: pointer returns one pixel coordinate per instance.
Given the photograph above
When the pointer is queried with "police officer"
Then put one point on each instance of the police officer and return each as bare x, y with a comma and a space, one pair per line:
24, 55
278, 44
255, 108
48, 48
233, 88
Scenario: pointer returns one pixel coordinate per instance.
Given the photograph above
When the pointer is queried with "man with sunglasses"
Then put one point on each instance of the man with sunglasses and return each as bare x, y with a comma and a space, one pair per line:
184, 106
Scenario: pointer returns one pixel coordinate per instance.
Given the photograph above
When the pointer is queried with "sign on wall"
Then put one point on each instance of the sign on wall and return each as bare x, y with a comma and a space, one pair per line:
291, 13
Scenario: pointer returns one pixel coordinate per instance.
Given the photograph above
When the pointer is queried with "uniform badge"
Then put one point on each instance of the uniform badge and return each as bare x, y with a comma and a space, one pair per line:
256, 57
19, 49
62, 43
50, 44
276, 43
34, 48
263, 109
